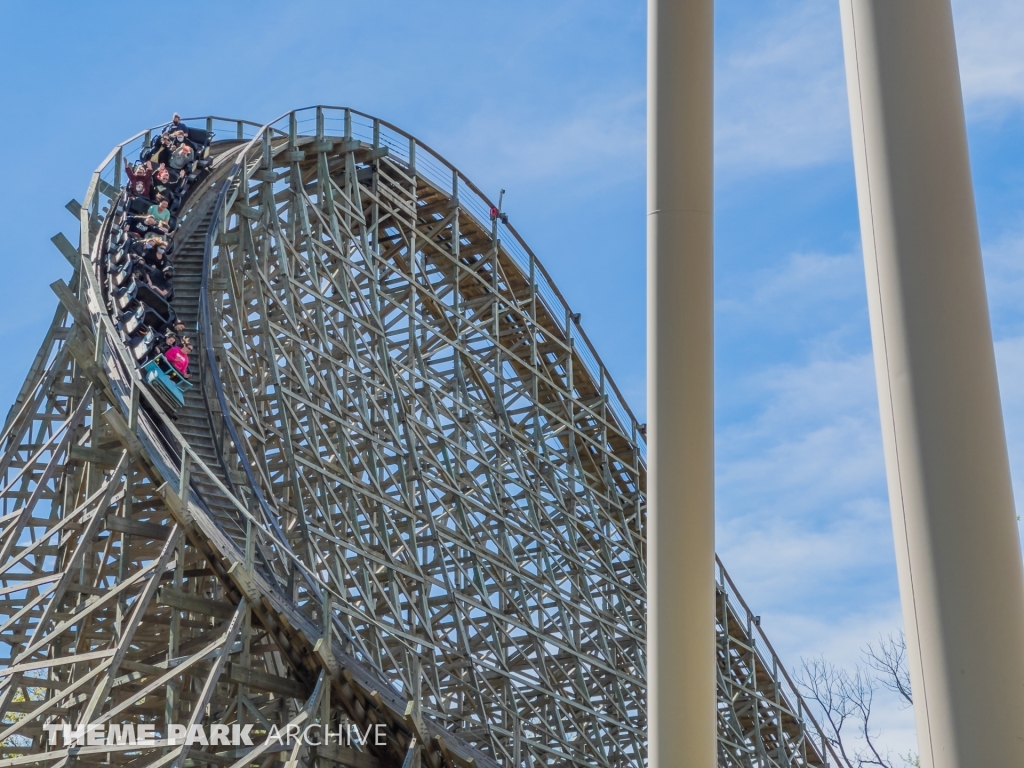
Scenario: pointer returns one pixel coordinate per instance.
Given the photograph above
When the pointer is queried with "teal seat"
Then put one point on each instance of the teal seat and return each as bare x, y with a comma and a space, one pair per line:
166, 380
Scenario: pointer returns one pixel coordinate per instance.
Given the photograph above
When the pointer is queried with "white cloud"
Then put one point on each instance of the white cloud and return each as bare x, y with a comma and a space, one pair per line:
1004, 275
803, 514
800, 471
804, 521
781, 94
807, 283
780, 102
802, 483
989, 43
602, 139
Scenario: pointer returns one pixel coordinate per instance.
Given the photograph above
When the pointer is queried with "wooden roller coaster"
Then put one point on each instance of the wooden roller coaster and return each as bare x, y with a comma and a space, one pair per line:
402, 491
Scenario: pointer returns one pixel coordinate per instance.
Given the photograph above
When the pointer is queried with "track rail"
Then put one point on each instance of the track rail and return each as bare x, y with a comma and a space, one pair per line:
404, 492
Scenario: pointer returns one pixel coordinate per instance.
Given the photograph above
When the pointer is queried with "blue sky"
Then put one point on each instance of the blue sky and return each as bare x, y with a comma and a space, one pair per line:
547, 99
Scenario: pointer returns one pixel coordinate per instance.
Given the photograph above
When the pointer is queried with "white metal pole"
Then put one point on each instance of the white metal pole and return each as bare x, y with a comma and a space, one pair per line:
957, 548
681, 660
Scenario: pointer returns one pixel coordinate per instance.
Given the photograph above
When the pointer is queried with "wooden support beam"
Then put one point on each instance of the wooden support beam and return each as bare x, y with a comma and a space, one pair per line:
402, 434
264, 682
72, 304
191, 603
67, 250
69, 389
120, 427
98, 456
133, 528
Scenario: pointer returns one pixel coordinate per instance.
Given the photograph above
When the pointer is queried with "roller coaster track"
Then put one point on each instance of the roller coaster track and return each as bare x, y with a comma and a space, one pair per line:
403, 492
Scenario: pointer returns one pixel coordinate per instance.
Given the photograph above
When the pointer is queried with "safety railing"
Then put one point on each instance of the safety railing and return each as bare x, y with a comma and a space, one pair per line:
340, 123
266, 548
215, 401
109, 177
348, 124
171, 447
787, 694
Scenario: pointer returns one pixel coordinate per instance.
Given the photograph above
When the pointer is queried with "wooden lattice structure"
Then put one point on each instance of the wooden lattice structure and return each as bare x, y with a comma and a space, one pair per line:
404, 492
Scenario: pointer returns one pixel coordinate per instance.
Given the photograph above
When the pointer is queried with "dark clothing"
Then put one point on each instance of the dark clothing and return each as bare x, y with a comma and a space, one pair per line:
154, 258
174, 177
137, 227
139, 182
166, 191
161, 345
135, 248
162, 154
143, 251
157, 280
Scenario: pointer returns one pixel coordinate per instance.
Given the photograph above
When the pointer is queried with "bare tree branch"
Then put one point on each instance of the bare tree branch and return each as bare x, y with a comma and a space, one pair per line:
824, 684
889, 659
859, 690
846, 699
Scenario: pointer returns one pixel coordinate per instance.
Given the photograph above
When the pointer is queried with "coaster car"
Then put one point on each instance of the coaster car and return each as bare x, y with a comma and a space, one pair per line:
169, 385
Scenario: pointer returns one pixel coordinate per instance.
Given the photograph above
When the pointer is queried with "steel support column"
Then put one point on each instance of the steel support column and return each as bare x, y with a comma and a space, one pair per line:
681, 591
957, 547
